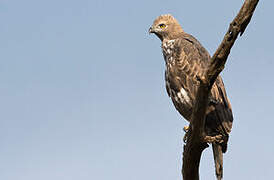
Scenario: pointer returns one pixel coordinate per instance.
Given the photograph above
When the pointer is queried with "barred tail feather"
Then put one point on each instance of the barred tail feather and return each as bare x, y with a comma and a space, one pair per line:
218, 159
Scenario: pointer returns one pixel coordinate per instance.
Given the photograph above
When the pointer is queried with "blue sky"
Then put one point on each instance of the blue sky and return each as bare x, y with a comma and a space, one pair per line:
83, 96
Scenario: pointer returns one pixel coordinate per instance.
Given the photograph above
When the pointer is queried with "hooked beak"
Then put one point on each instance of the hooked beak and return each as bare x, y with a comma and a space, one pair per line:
151, 30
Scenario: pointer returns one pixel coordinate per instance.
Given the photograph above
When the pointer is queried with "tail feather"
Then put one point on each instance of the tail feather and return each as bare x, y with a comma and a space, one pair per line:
218, 159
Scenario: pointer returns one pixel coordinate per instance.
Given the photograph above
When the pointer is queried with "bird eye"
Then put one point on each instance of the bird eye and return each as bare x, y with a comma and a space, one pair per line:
162, 26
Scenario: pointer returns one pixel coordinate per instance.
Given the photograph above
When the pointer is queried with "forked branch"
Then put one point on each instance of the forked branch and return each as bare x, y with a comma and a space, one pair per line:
196, 137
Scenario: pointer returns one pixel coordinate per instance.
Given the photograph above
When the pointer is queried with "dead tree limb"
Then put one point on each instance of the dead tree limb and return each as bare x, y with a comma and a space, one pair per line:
196, 136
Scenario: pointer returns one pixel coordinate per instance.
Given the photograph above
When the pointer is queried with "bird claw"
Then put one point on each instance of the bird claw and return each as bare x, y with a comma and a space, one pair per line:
211, 139
208, 139
186, 129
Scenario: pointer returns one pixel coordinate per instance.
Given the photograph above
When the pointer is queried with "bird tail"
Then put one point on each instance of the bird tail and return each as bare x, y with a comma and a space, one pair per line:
218, 159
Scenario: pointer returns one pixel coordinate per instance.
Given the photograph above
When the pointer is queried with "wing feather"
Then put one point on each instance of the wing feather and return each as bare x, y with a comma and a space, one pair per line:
191, 59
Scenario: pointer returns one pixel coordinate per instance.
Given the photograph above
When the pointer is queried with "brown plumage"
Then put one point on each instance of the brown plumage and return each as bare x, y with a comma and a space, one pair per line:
186, 58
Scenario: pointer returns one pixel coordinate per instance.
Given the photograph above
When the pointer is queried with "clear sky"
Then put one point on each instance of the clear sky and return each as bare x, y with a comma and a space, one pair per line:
83, 96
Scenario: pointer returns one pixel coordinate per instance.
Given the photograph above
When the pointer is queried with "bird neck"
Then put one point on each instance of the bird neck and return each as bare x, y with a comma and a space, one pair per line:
173, 35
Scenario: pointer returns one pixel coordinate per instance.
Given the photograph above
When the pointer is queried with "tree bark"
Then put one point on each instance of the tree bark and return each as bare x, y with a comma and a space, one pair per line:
196, 136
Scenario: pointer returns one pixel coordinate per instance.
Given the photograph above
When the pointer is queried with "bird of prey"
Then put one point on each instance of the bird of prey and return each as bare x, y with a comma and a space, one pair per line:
186, 59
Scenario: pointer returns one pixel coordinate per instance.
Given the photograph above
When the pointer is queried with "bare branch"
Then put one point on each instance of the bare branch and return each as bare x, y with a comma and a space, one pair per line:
196, 136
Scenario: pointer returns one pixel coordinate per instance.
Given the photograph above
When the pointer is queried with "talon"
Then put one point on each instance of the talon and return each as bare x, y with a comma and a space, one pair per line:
211, 139
185, 138
186, 128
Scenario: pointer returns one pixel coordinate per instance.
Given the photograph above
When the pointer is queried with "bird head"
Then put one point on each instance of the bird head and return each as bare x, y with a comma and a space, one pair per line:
166, 27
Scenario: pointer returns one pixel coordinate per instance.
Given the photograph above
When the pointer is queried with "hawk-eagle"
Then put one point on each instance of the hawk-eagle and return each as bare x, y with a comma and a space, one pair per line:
185, 59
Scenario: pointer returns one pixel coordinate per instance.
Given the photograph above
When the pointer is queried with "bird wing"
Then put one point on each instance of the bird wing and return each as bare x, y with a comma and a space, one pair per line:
191, 60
